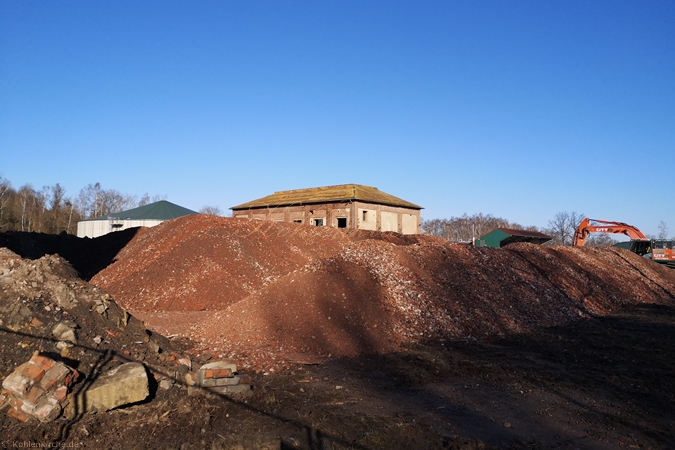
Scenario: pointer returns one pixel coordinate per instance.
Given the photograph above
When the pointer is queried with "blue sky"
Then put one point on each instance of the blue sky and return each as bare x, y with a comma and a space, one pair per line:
517, 109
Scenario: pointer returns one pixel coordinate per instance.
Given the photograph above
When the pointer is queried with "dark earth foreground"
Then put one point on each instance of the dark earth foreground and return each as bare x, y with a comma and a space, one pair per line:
604, 383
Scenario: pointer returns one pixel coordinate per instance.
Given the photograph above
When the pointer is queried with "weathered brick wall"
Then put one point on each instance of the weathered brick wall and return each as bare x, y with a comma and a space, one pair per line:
358, 215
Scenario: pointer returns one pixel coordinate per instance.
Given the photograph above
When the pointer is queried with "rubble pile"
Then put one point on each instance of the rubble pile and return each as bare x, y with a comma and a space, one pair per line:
272, 293
219, 377
39, 388
84, 353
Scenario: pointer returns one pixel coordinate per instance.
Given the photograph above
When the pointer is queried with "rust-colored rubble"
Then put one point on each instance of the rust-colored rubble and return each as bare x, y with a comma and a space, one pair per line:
266, 293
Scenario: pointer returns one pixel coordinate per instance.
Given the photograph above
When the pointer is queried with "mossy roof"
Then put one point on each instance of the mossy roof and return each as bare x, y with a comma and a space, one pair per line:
327, 194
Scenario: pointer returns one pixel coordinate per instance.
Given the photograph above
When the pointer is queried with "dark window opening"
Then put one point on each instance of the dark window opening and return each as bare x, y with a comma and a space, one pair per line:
342, 222
297, 220
318, 222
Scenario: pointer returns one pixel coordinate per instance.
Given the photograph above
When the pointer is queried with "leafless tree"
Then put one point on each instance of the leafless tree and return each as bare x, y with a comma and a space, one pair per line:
663, 230
466, 228
26, 193
561, 228
600, 240
212, 210
5, 187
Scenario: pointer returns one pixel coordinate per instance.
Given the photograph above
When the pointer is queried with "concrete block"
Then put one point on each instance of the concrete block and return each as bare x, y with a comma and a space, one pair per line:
213, 382
239, 389
120, 386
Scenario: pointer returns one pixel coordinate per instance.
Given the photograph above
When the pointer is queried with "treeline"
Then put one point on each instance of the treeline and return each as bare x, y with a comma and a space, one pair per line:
466, 228
51, 210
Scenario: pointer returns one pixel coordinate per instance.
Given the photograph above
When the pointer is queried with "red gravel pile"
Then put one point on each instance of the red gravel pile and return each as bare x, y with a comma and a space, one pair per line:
278, 292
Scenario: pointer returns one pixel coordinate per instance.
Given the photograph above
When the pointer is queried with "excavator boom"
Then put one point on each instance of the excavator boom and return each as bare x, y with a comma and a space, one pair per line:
588, 226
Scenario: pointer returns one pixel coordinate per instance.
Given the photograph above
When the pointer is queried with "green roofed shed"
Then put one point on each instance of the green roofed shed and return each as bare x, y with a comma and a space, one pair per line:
505, 236
143, 216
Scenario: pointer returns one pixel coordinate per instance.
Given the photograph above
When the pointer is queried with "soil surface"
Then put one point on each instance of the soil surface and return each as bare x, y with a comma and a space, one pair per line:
354, 340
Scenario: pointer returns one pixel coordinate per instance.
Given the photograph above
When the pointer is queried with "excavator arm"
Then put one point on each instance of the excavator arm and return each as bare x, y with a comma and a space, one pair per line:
588, 226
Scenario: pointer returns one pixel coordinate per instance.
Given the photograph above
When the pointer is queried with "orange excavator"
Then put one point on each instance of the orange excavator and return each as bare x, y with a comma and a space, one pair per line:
659, 250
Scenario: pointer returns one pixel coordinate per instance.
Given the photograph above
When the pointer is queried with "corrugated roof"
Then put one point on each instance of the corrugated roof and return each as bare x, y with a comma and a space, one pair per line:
161, 210
327, 194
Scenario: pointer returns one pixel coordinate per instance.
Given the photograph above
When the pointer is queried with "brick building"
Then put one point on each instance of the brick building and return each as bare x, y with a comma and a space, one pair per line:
344, 206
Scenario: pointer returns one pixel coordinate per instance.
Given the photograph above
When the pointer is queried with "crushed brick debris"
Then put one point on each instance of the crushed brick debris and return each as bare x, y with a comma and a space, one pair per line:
270, 293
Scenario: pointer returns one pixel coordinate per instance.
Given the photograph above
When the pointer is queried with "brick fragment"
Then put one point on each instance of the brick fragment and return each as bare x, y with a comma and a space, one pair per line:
61, 394
217, 373
34, 394
32, 371
18, 415
17, 383
49, 409
71, 377
54, 376
42, 361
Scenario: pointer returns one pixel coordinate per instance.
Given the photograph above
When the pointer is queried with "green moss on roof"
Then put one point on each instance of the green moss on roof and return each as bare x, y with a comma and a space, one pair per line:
161, 210
327, 194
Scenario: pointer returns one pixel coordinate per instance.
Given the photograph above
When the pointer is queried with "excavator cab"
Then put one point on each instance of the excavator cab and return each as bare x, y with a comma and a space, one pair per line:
641, 246
662, 251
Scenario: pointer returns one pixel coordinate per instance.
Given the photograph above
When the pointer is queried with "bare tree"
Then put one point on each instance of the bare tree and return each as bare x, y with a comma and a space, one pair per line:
561, 228
663, 230
466, 228
212, 210
26, 193
5, 187
600, 240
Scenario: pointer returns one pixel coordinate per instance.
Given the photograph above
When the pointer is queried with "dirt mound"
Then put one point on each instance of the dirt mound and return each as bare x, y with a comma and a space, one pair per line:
281, 292
202, 262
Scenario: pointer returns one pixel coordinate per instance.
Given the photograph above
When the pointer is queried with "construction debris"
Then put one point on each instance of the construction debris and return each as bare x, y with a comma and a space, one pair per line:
219, 377
272, 293
125, 384
38, 388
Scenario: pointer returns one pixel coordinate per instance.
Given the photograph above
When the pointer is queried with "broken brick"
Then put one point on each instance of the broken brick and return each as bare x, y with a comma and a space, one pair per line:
54, 376
42, 361
217, 373
18, 415
48, 409
32, 371
61, 394
34, 394
17, 383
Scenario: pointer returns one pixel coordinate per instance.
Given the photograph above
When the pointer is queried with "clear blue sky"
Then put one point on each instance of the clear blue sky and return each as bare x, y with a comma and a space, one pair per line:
517, 109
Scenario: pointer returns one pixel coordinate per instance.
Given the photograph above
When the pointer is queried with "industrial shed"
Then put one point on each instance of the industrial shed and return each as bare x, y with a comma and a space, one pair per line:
143, 216
344, 206
505, 236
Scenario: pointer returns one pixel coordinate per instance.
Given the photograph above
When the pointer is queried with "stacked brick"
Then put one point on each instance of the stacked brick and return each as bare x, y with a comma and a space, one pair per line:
219, 377
39, 388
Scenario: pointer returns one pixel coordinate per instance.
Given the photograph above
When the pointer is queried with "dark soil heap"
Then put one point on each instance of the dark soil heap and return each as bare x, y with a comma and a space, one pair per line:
273, 292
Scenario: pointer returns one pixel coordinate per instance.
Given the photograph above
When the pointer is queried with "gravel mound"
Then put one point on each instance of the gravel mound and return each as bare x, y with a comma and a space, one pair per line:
269, 293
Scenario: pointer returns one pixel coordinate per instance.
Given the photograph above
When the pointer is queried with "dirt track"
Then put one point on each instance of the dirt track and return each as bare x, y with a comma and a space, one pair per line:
524, 347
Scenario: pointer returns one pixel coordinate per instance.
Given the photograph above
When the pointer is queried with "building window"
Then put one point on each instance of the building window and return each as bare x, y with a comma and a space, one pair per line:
297, 220
342, 222
318, 222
